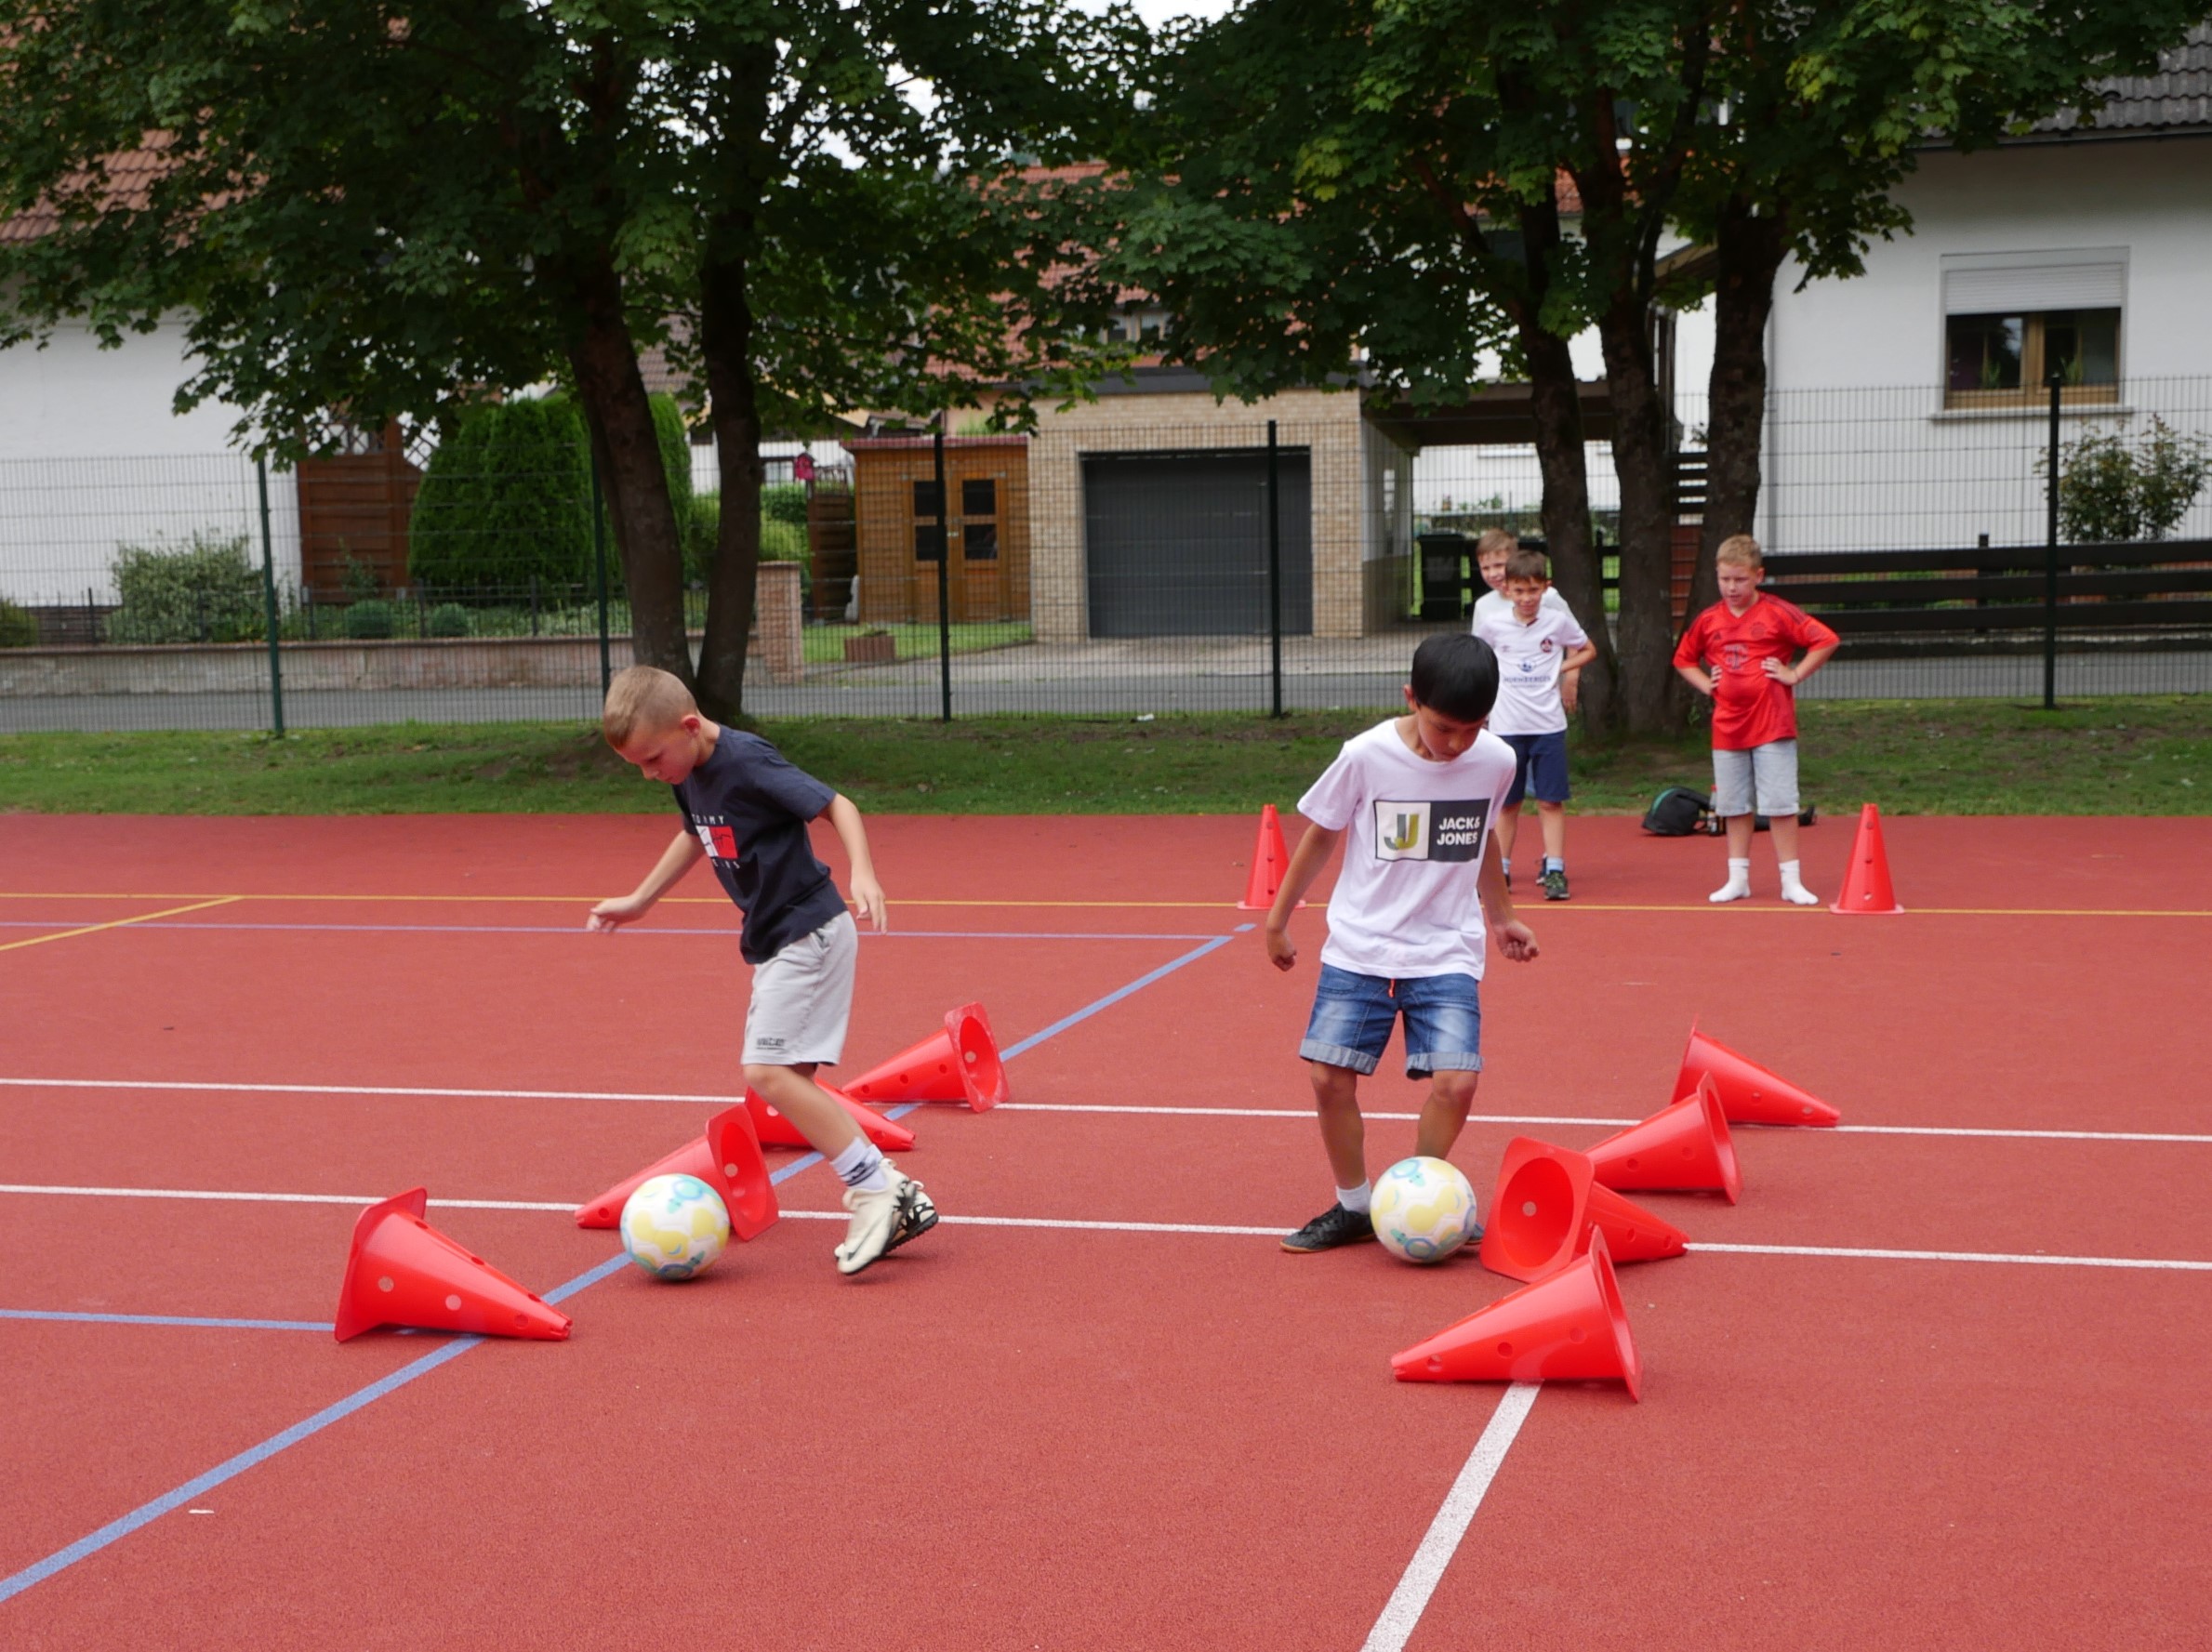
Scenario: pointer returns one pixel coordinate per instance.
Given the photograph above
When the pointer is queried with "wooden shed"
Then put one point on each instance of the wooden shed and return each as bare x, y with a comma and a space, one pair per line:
899, 529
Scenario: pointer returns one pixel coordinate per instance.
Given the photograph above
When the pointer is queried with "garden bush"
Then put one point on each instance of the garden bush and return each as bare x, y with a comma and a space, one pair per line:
508, 497
449, 619
784, 501
205, 590
371, 621
19, 629
2111, 492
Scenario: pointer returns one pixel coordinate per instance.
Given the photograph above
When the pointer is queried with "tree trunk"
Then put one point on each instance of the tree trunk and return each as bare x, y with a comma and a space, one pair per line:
627, 449
1750, 250
1555, 407
725, 345
1642, 455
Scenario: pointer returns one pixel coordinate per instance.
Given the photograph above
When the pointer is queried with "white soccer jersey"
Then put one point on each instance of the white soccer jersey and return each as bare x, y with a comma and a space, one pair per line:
1529, 659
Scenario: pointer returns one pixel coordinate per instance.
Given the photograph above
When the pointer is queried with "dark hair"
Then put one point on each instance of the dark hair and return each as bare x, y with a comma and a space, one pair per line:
1455, 675
1527, 565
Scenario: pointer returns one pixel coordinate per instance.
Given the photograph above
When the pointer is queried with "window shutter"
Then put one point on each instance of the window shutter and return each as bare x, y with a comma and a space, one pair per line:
2027, 288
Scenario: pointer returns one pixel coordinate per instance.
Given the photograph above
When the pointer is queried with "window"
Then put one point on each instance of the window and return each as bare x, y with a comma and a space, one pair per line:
2010, 320
979, 497
979, 542
925, 498
929, 542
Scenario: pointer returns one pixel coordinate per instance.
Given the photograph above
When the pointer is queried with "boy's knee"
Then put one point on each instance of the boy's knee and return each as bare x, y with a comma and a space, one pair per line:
1454, 1089
766, 1079
1335, 1087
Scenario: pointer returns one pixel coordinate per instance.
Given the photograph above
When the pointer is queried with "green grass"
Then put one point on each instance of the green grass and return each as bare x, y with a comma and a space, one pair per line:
2106, 757
916, 641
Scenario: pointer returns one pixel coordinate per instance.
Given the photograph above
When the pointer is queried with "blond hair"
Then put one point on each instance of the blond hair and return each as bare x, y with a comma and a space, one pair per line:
1496, 542
1742, 550
643, 699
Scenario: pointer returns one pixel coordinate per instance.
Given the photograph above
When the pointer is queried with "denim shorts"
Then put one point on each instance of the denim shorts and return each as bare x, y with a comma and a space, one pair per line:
1353, 1015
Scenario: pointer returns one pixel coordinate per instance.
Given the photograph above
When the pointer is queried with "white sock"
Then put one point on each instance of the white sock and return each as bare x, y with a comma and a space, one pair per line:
861, 1166
1505, 865
1552, 863
1738, 883
1357, 1198
1793, 887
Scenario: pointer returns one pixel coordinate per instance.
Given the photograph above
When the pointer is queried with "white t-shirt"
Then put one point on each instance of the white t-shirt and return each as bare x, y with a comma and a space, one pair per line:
1529, 658
1496, 602
1405, 902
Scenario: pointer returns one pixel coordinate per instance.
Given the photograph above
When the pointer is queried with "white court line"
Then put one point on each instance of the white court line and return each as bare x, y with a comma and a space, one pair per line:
1423, 1573
1276, 1113
1074, 1225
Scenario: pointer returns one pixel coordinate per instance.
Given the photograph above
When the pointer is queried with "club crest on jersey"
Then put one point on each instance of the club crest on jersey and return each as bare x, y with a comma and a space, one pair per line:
721, 841
1426, 830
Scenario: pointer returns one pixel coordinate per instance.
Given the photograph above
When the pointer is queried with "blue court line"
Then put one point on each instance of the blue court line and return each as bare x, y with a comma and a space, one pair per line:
117, 1529
578, 929
164, 1319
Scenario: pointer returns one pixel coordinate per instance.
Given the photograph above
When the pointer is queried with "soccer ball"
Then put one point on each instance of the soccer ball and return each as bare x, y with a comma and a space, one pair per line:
1423, 1209
674, 1225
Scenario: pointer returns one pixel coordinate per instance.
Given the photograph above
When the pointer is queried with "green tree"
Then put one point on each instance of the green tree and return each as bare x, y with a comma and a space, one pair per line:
388, 215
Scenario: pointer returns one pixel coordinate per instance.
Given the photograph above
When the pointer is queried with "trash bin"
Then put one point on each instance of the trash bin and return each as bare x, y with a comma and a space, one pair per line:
1444, 589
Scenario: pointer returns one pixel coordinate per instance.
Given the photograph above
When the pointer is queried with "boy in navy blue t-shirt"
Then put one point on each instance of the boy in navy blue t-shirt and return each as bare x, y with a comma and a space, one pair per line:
745, 808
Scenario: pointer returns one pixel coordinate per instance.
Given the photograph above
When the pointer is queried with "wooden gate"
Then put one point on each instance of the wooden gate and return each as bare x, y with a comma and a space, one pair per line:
353, 510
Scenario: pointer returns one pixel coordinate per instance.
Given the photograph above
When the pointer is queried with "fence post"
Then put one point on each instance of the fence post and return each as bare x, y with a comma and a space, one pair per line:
944, 573
1274, 579
599, 552
2050, 556
269, 606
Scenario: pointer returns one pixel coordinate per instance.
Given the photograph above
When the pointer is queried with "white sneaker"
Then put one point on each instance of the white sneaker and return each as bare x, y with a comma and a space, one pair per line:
1799, 895
1735, 889
882, 1221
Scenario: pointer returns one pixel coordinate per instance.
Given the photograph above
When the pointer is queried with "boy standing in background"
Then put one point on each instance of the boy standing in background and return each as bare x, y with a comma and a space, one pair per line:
1738, 653
1491, 552
1537, 647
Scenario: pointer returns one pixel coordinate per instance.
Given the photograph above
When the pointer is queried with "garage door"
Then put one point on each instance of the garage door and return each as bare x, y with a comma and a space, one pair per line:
1176, 544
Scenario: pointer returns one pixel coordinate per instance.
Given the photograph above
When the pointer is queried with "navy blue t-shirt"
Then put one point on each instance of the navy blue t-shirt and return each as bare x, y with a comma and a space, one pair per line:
748, 804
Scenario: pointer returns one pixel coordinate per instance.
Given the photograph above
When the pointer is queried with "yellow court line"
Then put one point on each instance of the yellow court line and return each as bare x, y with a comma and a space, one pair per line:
93, 929
1548, 909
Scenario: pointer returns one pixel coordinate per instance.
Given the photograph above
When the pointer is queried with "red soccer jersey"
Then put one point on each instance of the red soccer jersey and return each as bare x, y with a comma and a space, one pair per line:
1750, 707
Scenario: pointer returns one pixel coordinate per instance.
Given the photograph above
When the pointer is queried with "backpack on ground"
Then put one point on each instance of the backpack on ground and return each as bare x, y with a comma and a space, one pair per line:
1678, 813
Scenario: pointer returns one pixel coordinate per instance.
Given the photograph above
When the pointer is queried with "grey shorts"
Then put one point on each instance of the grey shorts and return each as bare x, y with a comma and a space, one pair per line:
802, 999
1769, 771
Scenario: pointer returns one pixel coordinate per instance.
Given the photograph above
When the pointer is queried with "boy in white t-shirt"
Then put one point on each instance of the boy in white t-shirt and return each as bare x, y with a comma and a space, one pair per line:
1413, 799
1536, 647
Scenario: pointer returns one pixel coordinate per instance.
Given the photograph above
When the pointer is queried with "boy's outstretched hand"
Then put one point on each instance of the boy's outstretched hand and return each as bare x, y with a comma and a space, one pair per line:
867, 895
1282, 952
613, 914
1517, 941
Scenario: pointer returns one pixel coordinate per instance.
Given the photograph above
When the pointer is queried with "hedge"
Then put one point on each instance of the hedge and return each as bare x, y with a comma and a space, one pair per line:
205, 590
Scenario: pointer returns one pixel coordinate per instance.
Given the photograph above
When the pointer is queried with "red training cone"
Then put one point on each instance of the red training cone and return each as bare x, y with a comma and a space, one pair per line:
402, 1271
959, 1064
1684, 1147
776, 1131
1270, 859
1748, 1093
1569, 1327
1549, 1204
726, 1158
1866, 890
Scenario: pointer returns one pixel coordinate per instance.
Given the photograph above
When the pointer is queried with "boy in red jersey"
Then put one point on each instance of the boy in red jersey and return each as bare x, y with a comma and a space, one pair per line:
1738, 652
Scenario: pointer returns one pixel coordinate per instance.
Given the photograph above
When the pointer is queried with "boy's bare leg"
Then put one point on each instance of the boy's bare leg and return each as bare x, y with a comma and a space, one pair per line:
1343, 1132
794, 1092
1783, 829
1740, 828
1554, 819
1444, 1114
1507, 828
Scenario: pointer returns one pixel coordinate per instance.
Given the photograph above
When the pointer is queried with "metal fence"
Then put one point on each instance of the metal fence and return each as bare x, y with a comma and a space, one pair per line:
1113, 562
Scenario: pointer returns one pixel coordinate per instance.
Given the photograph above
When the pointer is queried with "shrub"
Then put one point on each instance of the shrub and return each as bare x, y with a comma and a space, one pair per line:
2111, 492
449, 619
702, 523
784, 501
508, 495
19, 629
371, 621
205, 590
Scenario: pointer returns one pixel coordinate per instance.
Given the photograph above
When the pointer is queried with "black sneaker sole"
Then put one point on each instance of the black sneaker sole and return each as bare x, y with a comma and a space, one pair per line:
910, 1228
1365, 1238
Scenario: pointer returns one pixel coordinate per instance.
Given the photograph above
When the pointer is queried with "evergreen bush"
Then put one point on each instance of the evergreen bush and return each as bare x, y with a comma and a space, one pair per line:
18, 627
205, 590
449, 619
371, 621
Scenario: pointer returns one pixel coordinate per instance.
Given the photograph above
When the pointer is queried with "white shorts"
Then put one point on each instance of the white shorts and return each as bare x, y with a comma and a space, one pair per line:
802, 999
1769, 771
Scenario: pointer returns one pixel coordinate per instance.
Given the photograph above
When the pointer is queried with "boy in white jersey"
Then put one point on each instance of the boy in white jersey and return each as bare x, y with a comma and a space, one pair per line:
1537, 647
1413, 799
1490, 553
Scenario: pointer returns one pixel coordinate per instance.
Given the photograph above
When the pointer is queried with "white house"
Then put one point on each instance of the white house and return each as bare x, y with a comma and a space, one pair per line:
1908, 406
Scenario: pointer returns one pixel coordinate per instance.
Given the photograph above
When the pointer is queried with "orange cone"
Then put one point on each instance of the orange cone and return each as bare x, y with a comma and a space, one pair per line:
402, 1271
1866, 886
726, 1158
1548, 1205
1569, 1327
1270, 859
959, 1064
1684, 1147
776, 1131
1748, 1093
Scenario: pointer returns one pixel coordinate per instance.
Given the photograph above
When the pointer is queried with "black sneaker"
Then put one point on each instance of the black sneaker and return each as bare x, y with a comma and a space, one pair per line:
1555, 884
917, 1214
1332, 1227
